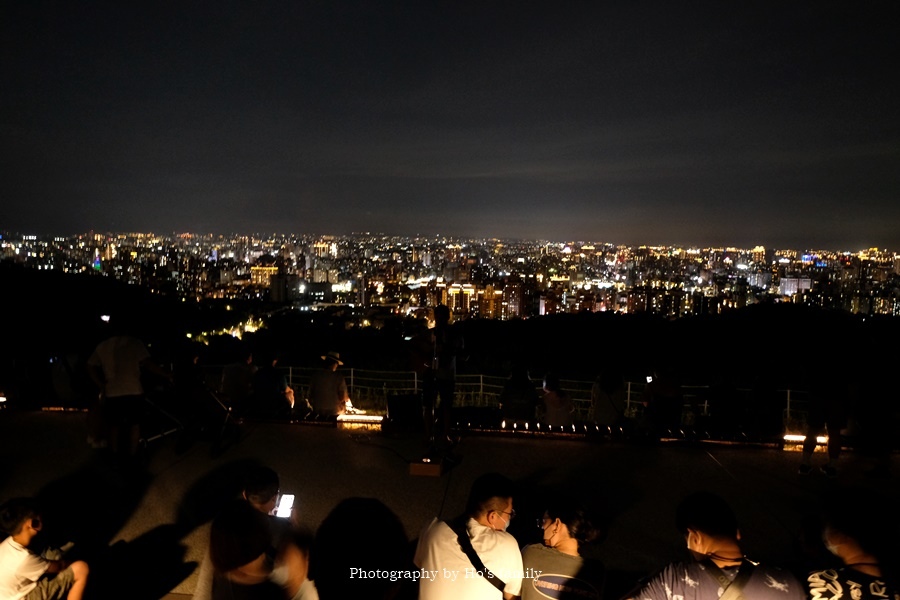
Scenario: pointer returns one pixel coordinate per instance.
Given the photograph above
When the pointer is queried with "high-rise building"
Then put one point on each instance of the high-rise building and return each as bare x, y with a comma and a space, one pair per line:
262, 275
460, 297
513, 300
758, 255
491, 305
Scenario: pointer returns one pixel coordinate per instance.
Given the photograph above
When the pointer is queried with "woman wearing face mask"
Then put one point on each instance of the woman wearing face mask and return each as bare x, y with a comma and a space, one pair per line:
555, 567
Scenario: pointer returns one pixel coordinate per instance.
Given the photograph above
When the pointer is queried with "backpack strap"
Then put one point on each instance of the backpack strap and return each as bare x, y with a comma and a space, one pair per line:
459, 528
734, 589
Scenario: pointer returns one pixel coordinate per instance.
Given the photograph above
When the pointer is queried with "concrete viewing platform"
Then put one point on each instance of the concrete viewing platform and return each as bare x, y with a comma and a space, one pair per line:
155, 520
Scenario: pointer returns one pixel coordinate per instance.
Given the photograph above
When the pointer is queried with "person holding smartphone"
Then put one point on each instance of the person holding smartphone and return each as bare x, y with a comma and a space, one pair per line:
285, 563
24, 574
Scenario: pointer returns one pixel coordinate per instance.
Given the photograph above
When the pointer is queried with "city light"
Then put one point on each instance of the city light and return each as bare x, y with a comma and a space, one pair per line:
476, 278
799, 439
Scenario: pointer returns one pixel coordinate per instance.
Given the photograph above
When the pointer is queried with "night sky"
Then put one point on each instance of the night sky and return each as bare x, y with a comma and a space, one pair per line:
696, 123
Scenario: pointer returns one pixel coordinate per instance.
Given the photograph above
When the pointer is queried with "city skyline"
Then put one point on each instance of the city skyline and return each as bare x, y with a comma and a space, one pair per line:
103, 237
485, 278
638, 124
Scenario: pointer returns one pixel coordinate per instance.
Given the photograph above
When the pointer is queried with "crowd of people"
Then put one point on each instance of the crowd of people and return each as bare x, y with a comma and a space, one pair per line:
258, 550
253, 386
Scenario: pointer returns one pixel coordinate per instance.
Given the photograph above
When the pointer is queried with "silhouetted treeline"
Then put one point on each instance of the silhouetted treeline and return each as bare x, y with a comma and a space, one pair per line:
763, 346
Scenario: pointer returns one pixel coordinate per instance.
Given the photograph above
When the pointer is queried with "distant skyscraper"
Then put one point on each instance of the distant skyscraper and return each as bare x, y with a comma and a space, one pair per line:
262, 276
513, 300
788, 286
460, 296
758, 254
491, 305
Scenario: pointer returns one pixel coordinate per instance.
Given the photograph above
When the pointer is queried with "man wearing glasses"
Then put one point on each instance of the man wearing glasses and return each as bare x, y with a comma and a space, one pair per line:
473, 557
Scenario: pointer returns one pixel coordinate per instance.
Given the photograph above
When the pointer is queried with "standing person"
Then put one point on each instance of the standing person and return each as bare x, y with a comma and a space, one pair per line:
710, 529
440, 376
608, 399
23, 575
518, 399
556, 561
465, 552
115, 367
273, 397
663, 403
237, 382
559, 408
327, 388
827, 412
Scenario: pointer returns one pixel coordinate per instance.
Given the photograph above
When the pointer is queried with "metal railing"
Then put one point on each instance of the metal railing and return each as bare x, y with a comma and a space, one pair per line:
370, 390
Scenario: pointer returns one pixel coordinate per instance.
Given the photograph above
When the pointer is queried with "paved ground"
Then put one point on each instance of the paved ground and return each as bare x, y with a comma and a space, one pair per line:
155, 520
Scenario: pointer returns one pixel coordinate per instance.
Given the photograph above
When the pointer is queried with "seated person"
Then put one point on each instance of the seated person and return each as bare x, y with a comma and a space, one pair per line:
24, 575
360, 534
246, 565
289, 562
483, 530
710, 529
239, 550
556, 561
855, 532
327, 388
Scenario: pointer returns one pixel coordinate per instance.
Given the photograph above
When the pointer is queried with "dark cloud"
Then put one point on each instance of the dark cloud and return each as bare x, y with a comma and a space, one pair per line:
634, 122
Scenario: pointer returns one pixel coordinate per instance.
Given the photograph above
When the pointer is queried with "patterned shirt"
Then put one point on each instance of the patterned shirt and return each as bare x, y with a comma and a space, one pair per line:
847, 584
692, 581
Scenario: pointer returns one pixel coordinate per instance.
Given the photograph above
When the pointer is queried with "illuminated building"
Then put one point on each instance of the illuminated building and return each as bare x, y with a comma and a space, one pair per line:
460, 296
758, 255
789, 286
324, 249
416, 271
262, 276
636, 301
513, 300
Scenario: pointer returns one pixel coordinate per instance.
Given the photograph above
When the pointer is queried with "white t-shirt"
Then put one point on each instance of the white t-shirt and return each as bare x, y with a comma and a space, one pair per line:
448, 574
19, 570
120, 359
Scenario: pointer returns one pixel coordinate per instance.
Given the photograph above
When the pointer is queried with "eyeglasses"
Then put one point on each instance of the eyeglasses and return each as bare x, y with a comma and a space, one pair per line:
542, 522
511, 513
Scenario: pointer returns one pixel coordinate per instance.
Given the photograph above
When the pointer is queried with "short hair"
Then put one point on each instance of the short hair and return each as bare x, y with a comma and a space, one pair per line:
261, 484
574, 517
238, 536
14, 513
487, 493
707, 513
442, 314
363, 533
